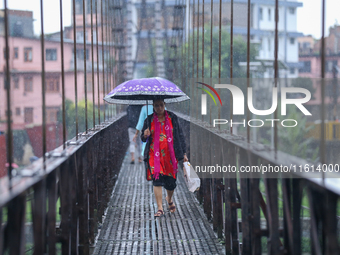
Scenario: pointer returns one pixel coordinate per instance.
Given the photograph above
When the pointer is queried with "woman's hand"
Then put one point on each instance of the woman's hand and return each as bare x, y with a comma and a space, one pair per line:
134, 139
146, 132
185, 158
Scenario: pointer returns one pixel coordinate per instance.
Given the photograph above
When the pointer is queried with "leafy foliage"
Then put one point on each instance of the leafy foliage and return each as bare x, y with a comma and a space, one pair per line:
71, 117
20, 139
294, 140
306, 83
239, 54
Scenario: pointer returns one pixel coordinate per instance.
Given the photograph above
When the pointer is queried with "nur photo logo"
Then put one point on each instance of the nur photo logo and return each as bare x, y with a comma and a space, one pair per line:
239, 103
204, 97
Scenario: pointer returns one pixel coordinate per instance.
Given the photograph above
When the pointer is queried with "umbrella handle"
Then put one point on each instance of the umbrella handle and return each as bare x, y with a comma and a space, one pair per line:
147, 114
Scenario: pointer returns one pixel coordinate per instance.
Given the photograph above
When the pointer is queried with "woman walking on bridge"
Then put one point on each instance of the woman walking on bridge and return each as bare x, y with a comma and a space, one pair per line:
165, 147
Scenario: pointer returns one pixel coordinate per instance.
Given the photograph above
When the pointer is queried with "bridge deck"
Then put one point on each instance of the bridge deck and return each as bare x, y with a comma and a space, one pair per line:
130, 227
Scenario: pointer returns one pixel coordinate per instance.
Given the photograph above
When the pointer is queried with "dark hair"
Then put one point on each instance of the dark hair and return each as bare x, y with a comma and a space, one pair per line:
157, 99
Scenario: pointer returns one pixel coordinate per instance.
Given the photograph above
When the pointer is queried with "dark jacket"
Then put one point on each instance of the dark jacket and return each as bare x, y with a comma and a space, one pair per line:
133, 112
178, 137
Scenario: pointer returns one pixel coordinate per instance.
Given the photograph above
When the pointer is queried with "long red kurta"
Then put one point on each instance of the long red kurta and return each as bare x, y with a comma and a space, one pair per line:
166, 167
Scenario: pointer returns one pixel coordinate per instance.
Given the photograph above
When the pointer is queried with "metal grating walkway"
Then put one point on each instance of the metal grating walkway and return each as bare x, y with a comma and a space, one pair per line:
130, 227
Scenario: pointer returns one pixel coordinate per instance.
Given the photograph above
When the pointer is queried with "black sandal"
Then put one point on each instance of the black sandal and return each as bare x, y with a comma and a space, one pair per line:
172, 207
159, 213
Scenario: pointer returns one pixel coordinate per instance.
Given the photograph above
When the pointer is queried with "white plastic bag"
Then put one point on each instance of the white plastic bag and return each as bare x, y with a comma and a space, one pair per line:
191, 178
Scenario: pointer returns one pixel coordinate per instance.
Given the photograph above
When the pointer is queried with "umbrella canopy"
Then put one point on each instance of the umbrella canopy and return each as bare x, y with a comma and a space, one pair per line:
141, 91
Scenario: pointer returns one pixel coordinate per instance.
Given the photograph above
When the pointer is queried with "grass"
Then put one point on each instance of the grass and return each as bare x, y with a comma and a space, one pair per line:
29, 249
29, 246
305, 245
305, 204
304, 213
29, 211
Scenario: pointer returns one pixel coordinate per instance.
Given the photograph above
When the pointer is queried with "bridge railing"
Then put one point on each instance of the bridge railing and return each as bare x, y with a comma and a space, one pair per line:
67, 197
263, 213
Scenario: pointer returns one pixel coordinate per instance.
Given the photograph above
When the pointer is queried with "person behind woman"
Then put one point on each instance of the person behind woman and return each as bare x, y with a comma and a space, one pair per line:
142, 116
135, 148
164, 148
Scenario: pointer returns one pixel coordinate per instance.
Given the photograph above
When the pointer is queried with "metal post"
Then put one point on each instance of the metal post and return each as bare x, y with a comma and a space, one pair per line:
211, 47
219, 56
323, 52
248, 66
276, 68
75, 66
92, 56
97, 49
231, 58
103, 66
85, 74
43, 87
62, 73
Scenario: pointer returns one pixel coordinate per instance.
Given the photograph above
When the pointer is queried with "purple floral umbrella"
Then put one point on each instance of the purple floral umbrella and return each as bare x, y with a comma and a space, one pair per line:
143, 91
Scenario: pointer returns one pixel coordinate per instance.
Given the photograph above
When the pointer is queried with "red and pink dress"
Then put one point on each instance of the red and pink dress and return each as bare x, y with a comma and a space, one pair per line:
165, 153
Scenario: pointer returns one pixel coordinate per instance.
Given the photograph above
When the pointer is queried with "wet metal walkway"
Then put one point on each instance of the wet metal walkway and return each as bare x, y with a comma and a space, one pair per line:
130, 227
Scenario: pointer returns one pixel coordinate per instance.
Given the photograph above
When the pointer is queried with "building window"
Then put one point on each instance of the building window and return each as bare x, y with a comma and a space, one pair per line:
291, 10
260, 14
88, 9
28, 115
260, 47
292, 70
52, 84
16, 52
269, 45
5, 53
306, 45
17, 111
51, 54
330, 64
101, 85
269, 14
16, 82
28, 54
79, 36
8, 112
94, 36
106, 55
52, 114
292, 40
89, 83
80, 54
28, 83
79, 7
306, 67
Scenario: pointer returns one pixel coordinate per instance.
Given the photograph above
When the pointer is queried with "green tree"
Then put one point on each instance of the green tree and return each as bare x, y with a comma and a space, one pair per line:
306, 83
239, 54
71, 117
294, 140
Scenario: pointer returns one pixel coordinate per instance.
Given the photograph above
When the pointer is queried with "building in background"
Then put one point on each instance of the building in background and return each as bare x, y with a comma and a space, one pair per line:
20, 23
306, 44
262, 31
154, 34
310, 58
25, 62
